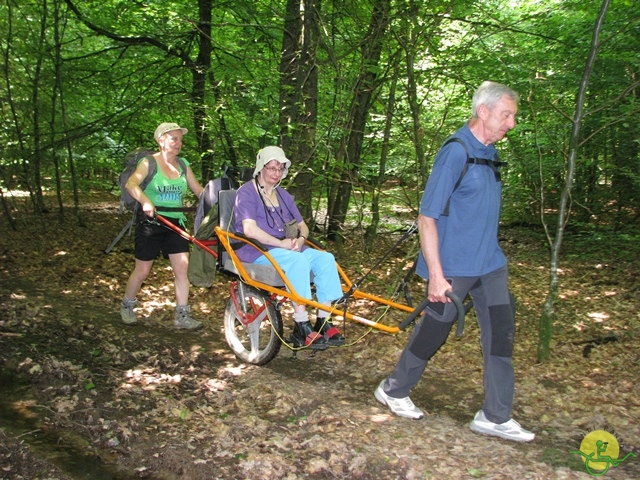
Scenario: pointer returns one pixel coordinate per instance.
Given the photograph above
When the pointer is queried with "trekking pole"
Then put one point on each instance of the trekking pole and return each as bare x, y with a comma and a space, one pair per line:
460, 308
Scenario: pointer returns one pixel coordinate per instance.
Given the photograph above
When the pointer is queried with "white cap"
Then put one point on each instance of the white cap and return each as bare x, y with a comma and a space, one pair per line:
167, 127
271, 153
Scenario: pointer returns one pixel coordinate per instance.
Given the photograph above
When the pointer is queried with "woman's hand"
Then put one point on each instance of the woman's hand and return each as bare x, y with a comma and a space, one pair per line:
149, 209
293, 244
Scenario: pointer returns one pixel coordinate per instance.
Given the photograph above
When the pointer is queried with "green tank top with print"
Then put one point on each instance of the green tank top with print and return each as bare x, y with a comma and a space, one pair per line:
165, 192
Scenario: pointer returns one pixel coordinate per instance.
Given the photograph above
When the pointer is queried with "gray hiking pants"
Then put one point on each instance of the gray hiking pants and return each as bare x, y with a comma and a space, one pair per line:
495, 310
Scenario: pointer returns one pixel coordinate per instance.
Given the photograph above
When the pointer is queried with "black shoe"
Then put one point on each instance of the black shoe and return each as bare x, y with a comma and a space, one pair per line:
331, 334
304, 335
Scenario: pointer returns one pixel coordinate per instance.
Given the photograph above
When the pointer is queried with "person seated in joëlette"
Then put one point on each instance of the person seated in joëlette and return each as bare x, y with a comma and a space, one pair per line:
268, 213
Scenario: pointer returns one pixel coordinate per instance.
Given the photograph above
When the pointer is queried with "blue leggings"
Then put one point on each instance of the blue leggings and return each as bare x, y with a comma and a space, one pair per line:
298, 267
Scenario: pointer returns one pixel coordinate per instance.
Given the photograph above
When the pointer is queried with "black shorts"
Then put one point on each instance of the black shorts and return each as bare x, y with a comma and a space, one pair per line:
153, 237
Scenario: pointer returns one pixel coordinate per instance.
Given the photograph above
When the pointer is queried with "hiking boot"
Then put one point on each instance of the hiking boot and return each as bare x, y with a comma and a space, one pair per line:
331, 334
303, 334
184, 320
510, 430
127, 313
403, 407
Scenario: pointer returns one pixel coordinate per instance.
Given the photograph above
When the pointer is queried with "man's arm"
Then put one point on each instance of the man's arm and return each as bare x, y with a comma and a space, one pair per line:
438, 285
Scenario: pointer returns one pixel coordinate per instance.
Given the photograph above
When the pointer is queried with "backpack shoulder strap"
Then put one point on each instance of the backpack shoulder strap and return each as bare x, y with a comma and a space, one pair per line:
182, 164
445, 212
494, 164
153, 168
466, 165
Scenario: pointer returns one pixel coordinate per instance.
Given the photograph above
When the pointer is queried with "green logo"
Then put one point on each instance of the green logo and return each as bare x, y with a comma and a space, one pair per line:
600, 450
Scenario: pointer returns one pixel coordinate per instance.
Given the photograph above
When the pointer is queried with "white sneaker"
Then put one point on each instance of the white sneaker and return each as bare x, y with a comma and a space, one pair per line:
403, 407
510, 430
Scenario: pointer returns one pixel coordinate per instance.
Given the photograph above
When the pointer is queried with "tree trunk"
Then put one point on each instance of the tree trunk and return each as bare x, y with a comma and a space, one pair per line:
59, 90
35, 99
372, 229
299, 95
225, 135
412, 92
546, 320
348, 155
15, 116
289, 70
200, 72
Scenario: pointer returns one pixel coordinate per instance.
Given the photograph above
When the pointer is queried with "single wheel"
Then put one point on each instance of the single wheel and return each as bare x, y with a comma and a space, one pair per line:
252, 325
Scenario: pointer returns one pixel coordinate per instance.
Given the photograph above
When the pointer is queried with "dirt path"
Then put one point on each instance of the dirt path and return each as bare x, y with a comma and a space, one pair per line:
150, 402
171, 406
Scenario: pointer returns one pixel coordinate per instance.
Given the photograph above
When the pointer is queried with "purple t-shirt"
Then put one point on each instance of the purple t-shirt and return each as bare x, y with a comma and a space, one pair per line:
271, 219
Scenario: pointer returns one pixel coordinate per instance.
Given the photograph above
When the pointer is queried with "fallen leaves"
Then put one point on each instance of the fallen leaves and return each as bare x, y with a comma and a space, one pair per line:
165, 402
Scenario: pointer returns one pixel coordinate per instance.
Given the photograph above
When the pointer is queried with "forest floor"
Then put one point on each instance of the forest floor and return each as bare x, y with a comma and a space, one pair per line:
84, 396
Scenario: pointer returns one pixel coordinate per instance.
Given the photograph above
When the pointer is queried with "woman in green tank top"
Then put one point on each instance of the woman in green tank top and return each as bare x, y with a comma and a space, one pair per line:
165, 192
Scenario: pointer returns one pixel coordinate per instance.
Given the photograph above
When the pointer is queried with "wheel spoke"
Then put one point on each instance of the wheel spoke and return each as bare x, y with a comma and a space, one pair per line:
257, 342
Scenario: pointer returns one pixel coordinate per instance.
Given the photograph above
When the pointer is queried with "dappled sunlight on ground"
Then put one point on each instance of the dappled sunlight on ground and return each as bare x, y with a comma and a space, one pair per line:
155, 401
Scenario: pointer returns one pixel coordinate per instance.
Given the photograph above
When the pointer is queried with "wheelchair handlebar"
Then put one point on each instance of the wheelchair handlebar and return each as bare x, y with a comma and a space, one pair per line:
420, 308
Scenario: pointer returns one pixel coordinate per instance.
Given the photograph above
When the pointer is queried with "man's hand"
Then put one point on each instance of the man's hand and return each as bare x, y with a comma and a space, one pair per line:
438, 287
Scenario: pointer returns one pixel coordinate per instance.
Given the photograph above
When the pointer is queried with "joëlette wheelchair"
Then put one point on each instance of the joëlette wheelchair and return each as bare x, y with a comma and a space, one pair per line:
253, 324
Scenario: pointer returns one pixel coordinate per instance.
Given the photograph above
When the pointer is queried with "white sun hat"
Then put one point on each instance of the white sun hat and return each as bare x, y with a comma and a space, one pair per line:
271, 153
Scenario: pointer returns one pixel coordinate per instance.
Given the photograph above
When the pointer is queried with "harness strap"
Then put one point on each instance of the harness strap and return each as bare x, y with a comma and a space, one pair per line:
175, 209
494, 164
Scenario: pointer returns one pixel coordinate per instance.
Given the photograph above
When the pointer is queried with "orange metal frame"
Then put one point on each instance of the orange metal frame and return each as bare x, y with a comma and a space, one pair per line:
225, 238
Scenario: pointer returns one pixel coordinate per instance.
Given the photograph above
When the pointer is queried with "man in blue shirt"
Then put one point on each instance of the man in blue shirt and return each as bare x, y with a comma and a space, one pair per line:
458, 224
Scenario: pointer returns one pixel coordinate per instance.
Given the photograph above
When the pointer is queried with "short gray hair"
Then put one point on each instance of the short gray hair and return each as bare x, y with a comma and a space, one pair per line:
490, 93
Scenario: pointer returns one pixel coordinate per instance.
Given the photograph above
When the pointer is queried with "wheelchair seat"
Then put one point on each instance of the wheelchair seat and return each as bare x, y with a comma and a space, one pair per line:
261, 273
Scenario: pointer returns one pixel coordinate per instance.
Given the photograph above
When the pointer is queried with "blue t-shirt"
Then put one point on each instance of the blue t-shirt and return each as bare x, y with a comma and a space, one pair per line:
468, 236
271, 219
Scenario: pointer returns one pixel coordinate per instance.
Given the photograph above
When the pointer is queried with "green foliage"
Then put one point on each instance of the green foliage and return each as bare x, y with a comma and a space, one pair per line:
137, 70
